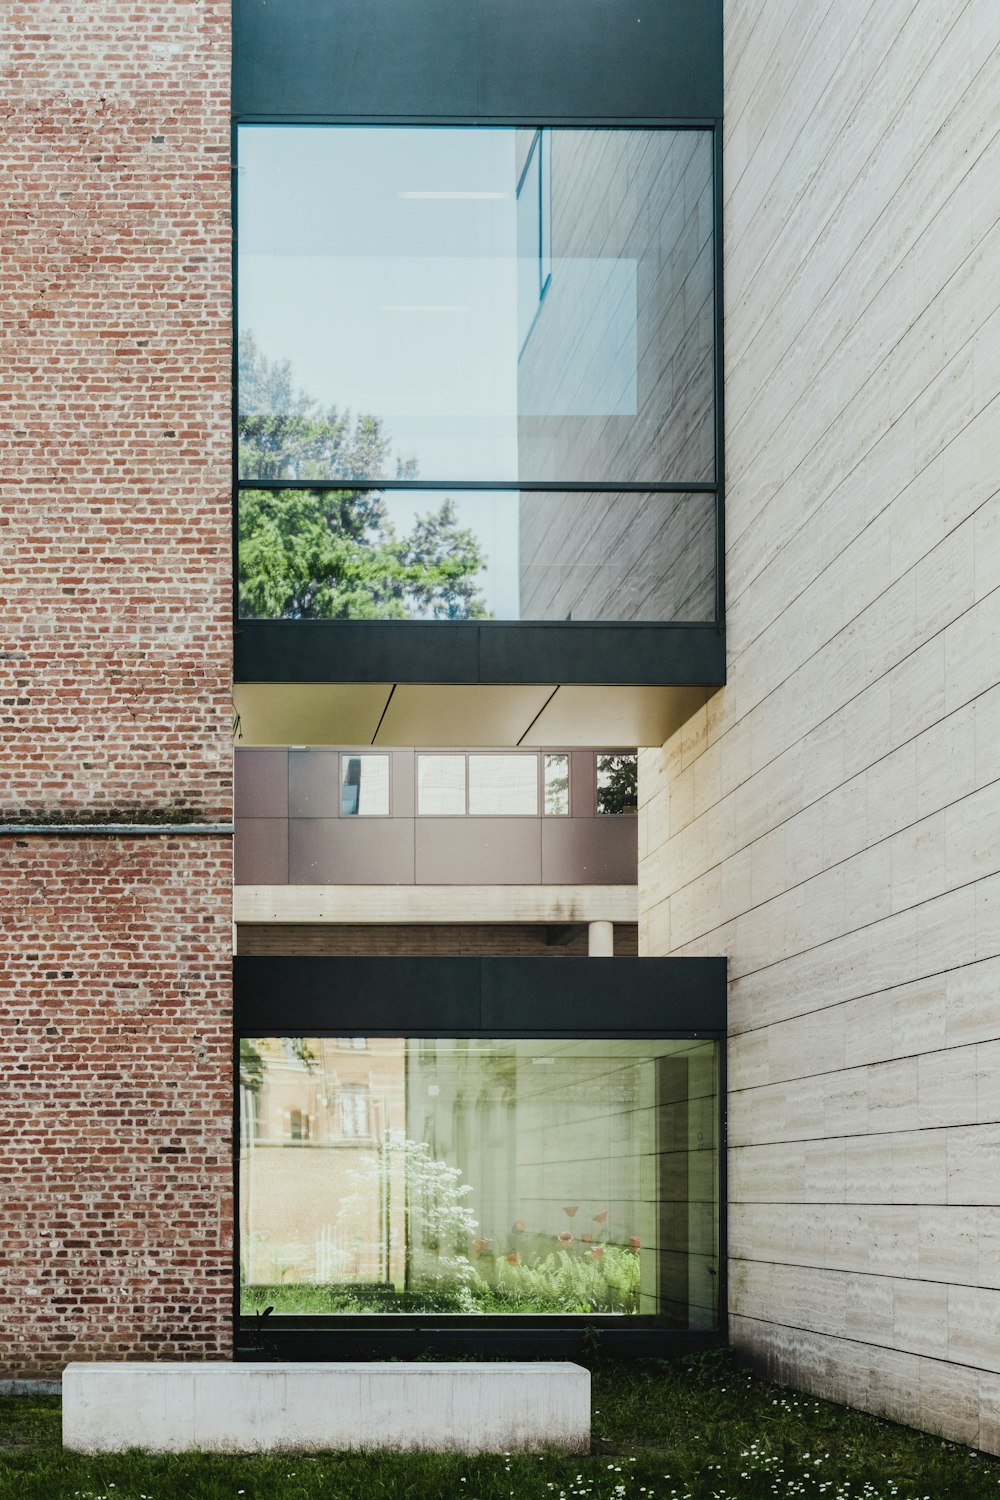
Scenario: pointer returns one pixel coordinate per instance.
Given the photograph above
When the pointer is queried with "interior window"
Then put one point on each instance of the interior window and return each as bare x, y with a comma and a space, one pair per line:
557, 785
617, 783
503, 785
440, 785
364, 786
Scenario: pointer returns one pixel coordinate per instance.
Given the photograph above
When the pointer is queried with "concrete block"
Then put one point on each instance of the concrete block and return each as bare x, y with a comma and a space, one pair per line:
987, 917
973, 1326
917, 690
972, 1177
250, 1408
989, 1412
893, 1231
868, 1310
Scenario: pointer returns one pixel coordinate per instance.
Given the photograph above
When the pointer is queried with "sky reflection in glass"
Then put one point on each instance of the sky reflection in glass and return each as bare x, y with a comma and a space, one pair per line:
563, 331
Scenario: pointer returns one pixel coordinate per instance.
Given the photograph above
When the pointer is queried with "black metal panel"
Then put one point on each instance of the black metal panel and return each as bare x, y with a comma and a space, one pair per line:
650, 655
602, 58
620, 995
347, 996
355, 651
578, 1338
483, 996
476, 59
460, 651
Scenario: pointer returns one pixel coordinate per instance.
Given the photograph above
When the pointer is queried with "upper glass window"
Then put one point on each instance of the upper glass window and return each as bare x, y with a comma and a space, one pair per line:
503, 785
557, 785
617, 783
441, 785
475, 304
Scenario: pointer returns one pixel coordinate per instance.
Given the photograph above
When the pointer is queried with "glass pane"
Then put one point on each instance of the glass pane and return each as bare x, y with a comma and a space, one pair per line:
364, 785
471, 555
475, 303
529, 241
503, 784
557, 785
616, 557
441, 784
481, 1176
617, 783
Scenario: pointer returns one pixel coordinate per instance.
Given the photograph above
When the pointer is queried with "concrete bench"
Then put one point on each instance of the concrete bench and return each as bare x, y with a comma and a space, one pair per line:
251, 1408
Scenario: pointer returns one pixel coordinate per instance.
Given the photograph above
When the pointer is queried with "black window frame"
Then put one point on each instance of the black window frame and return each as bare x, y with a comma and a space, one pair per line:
522, 998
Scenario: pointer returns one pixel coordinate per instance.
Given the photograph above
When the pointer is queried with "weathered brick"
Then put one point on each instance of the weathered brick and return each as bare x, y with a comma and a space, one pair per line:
115, 1029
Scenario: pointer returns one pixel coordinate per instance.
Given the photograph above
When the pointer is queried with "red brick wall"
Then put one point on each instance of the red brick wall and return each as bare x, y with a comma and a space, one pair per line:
114, 406
115, 644
115, 1122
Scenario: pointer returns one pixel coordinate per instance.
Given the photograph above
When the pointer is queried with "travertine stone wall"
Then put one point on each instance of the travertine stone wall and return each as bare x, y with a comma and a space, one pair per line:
830, 820
115, 700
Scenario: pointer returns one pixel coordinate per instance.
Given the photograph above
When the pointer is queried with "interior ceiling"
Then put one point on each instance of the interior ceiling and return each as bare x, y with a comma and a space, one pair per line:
323, 713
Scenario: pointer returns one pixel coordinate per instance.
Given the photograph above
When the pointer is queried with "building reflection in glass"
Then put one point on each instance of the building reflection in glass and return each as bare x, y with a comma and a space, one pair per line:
383, 1175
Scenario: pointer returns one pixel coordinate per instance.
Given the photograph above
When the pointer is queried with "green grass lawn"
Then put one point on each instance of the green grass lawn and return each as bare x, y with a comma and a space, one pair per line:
683, 1430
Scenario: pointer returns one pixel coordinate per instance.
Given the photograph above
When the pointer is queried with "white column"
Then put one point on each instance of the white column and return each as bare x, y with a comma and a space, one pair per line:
601, 939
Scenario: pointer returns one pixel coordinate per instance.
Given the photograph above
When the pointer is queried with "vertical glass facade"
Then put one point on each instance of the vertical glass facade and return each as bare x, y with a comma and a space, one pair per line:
493, 314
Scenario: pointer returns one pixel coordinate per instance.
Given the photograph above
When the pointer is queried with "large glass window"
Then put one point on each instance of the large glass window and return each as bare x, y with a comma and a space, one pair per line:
482, 1176
380, 273
433, 319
